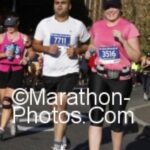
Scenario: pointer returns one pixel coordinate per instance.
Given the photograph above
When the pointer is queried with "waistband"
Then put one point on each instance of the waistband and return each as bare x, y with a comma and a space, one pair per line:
125, 73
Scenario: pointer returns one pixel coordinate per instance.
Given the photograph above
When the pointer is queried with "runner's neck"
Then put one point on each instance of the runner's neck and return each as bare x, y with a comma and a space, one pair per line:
112, 23
61, 18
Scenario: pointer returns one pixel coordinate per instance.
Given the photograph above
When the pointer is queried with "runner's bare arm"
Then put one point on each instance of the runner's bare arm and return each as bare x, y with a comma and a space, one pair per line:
38, 47
29, 50
83, 47
2, 55
91, 47
133, 49
74, 51
131, 46
28, 53
145, 63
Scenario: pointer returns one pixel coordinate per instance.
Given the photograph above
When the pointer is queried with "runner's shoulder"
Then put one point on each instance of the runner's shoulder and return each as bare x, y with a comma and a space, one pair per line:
98, 23
46, 20
127, 23
76, 22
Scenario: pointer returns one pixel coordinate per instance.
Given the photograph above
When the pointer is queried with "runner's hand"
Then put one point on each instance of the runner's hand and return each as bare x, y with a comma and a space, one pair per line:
90, 52
53, 49
71, 51
117, 34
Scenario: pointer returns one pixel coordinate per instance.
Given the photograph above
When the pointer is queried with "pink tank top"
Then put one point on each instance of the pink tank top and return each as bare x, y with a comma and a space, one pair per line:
13, 64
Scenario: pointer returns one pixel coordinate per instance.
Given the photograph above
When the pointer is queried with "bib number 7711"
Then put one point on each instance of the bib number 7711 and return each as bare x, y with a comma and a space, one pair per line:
60, 39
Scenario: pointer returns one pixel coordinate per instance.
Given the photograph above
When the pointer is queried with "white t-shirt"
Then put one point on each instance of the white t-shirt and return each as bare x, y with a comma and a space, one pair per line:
64, 34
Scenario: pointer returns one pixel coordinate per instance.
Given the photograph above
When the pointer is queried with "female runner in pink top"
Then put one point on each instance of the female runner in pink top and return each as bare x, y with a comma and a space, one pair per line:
115, 41
12, 59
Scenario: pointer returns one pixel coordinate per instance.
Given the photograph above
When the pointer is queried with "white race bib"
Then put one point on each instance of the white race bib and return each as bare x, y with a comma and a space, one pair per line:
108, 55
60, 39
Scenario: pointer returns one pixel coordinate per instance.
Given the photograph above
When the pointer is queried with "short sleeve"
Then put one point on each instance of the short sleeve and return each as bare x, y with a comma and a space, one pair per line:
84, 35
39, 34
132, 31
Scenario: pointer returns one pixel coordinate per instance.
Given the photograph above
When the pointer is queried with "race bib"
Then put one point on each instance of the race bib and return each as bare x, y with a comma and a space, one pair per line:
108, 55
60, 39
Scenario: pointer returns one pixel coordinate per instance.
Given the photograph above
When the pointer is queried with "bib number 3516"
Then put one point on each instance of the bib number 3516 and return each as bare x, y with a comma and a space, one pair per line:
109, 54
